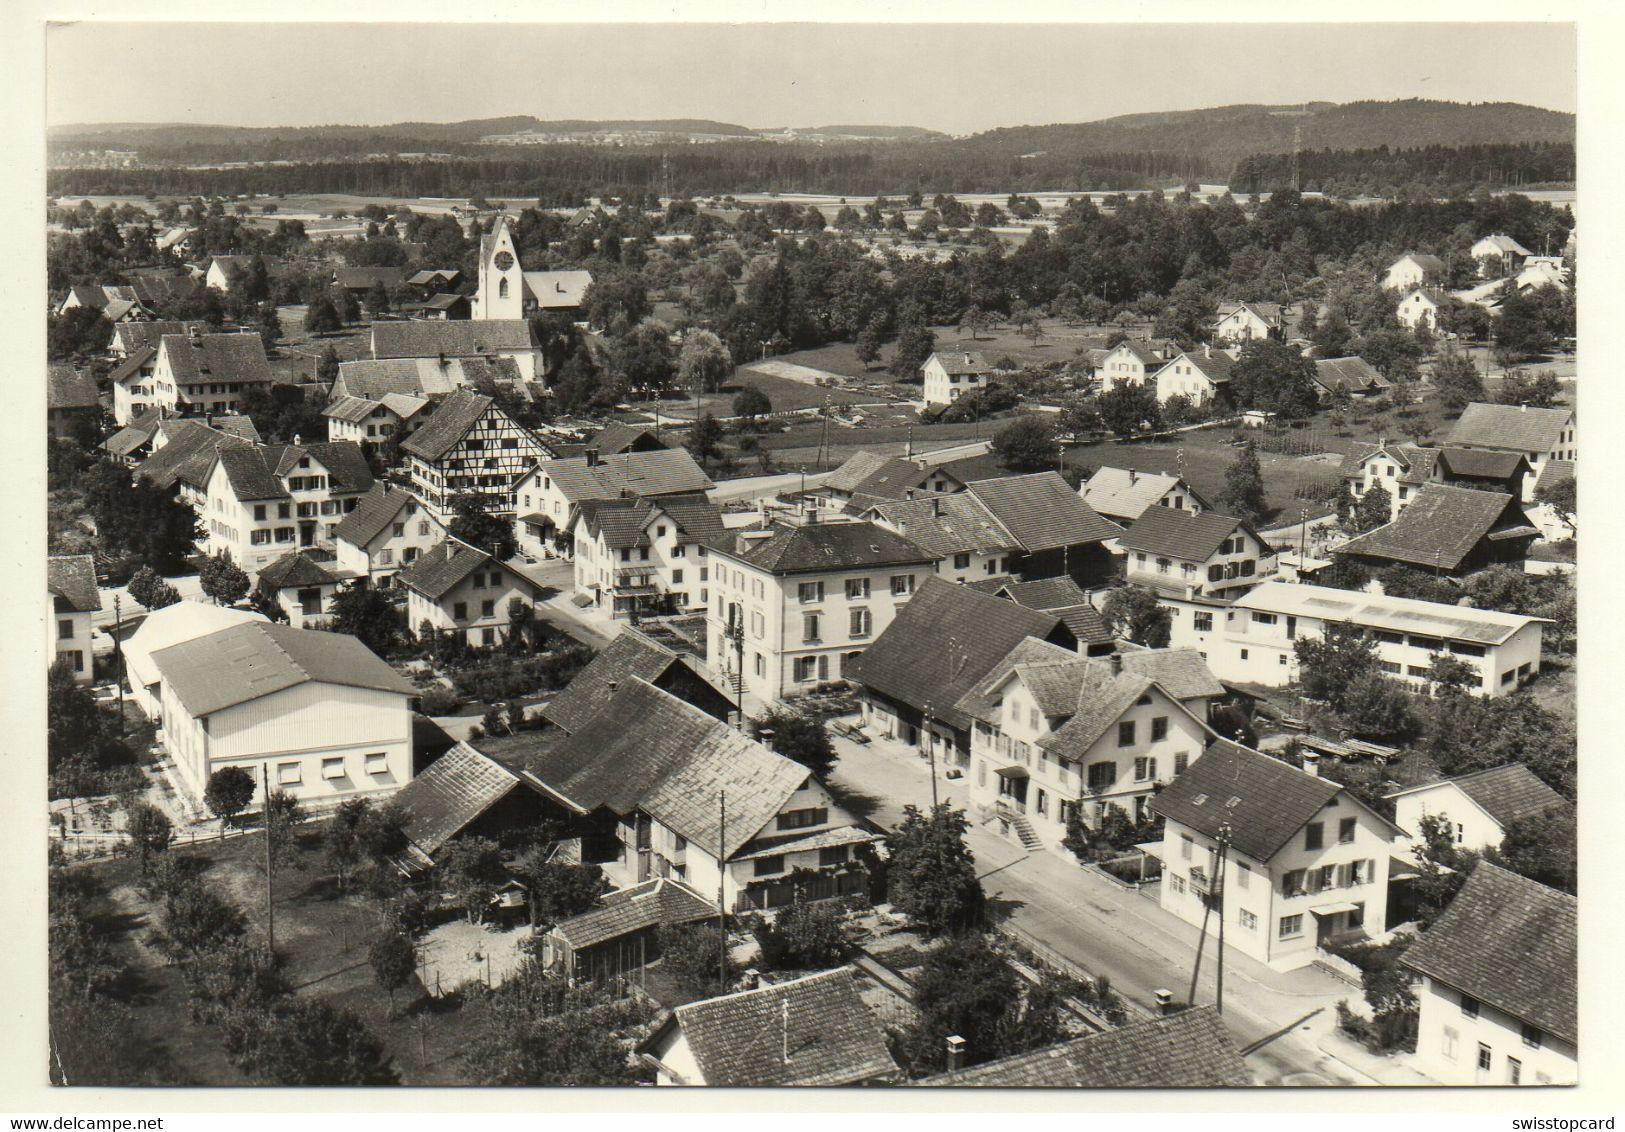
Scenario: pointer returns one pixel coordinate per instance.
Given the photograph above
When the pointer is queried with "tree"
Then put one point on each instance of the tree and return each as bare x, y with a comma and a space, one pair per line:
870, 339
1450, 675
541, 1030
1371, 510
1129, 408
692, 956
470, 869
616, 299
1133, 613
150, 832
703, 363
1276, 378
750, 403
1543, 847
915, 345
801, 738
223, 581
643, 357
228, 793
1243, 491
974, 320
151, 590
307, 1042
932, 873
1540, 391
196, 920
1519, 331
369, 616
1027, 445
283, 816
341, 840
1331, 664
1457, 380
321, 316
807, 935
965, 988
1560, 496
478, 527
394, 960
1441, 867
327, 366
377, 299
704, 441
558, 890
270, 325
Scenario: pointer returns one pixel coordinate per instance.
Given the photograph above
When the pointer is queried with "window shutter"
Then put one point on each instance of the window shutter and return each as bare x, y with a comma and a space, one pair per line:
1151, 768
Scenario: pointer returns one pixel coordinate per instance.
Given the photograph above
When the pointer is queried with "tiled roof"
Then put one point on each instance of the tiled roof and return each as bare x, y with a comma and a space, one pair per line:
1439, 528
351, 410
670, 471
1416, 464
135, 435
858, 467
172, 625
1182, 672
1509, 793
131, 365
404, 405
1382, 611
426, 377
1480, 463
943, 642
1422, 260
217, 357
438, 569
823, 547
615, 438
257, 472
962, 362
1122, 493
1269, 312
135, 336
1504, 243
248, 661
739, 1040
1554, 471
71, 579
651, 904
188, 453
1188, 1050
363, 278
894, 479
453, 339
1180, 534
441, 302
1517, 428
1510, 942
67, 388
630, 653
373, 512
1353, 375
235, 424
558, 290
435, 276
1027, 654
296, 568
1098, 698
452, 791
448, 424
1264, 800
1142, 351
619, 522
694, 515
1042, 512
945, 524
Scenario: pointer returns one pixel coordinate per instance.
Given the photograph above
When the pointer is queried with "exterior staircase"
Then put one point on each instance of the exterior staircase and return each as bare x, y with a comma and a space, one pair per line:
1024, 831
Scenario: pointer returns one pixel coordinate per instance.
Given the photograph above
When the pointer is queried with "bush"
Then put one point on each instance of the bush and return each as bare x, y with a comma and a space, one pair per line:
440, 701
806, 935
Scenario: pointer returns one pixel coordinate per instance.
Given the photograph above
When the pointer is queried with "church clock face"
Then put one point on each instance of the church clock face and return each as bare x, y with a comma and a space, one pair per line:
503, 261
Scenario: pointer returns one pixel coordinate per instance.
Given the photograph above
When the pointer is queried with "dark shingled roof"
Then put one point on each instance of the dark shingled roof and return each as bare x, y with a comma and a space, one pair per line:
945, 524
455, 789
363, 278
1142, 351
296, 568
1180, 534
1440, 527
1479, 463
1510, 942
1516, 428
1064, 598
71, 579
1416, 464
943, 642
373, 512
823, 547
653, 903
217, 357
738, 1040
1188, 1050
1353, 375
1553, 472
858, 467
188, 453
132, 364
630, 654
1509, 793
1042, 512
133, 436
615, 438
963, 362
453, 339
1274, 800
137, 336
448, 424
669, 471
67, 388
893, 479
440, 568
257, 472
1217, 366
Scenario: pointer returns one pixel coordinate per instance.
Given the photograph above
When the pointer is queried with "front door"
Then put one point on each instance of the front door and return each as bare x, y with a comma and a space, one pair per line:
307, 534
1324, 930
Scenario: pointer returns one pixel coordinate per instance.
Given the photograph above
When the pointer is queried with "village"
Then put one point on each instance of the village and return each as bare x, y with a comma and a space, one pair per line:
696, 641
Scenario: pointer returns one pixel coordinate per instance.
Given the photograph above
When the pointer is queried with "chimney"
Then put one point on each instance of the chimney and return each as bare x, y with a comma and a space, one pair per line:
1116, 661
592, 457
1165, 1001
752, 979
613, 684
1133, 477
1311, 763
296, 440
956, 1052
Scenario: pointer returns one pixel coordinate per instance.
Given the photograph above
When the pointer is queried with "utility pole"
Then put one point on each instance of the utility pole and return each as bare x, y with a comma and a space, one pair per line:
118, 658
930, 753
1224, 855
270, 905
722, 877
1303, 537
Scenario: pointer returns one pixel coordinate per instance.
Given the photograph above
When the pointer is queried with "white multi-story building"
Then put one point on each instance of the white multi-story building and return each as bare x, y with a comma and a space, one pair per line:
174, 624
70, 582
1541, 435
469, 446
550, 495
454, 588
1478, 807
197, 376
1413, 269
1203, 552
946, 377
1500, 975
388, 529
1304, 862
638, 556
365, 421
263, 501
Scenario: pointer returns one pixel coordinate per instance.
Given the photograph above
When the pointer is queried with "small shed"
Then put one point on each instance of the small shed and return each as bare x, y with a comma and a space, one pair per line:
623, 933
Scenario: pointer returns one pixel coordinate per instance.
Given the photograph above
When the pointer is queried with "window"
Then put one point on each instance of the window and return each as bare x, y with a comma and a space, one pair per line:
861, 623
377, 762
310, 601
1162, 565
981, 772
832, 856
1486, 1057
1391, 667
806, 668
386, 557
1345, 830
810, 627
1292, 883
488, 608
1185, 846
807, 592
1447, 1043
64, 629
1125, 733
1243, 654
857, 589
769, 866
1248, 920
1102, 775
1469, 1006
1178, 883
961, 561
1159, 728
1531, 1036
1357, 916
259, 512
1291, 926
902, 585
1180, 763
1145, 769
676, 577
289, 774
1263, 618
1313, 835
1514, 1071
801, 819
1204, 622
333, 768
459, 611
1508, 676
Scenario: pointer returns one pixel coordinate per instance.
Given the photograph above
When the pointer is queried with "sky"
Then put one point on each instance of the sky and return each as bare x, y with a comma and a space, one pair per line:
954, 78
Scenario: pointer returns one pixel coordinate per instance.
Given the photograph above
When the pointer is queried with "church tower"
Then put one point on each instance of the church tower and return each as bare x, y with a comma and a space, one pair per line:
502, 280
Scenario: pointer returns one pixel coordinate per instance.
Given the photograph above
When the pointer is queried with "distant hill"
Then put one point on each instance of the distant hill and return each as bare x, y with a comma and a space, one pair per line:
874, 131
1223, 135
116, 134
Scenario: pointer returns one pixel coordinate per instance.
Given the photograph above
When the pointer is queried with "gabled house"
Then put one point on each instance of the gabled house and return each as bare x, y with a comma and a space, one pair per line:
867, 478
184, 454
1420, 307
387, 529
263, 501
133, 442
455, 588
968, 543
71, 403
431, 378
1248, 322
133, 337
443, 307
70, 584
463, 794
228, 272
1498, 255
630, 654
1123, 494
303, 583
206, 374
326, 716
551, 494
1476, 807
510, 338
394, 416
1553, 524
814, 1030
1402, 469
1188, 1050
1499, 999
1354, 377
912, 679
1059, 737
1449, 530
1413, 269
508, 292
361, 280
1300, 861
639, 556
655, 787
1132, 362
435, 281
1206, 554
617, 439
172, 625
794, 603
1056, 533
948, 376
622, 932
1203, 376
470, 446
1542, 435
1068, 601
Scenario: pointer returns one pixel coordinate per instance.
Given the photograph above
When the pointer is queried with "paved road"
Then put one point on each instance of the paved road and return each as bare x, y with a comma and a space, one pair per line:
1113, 931
763, 487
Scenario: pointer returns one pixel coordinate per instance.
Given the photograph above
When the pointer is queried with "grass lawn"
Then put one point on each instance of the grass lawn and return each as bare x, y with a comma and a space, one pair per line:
785, 394
1059, 342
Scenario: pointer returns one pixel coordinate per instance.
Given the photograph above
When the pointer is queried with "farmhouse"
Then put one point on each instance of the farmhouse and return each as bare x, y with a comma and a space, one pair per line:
946, 377
1477, 807
1542, 435
70, 582
1413, 269
1123, 494
1450, 530
551, 494
469, 446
